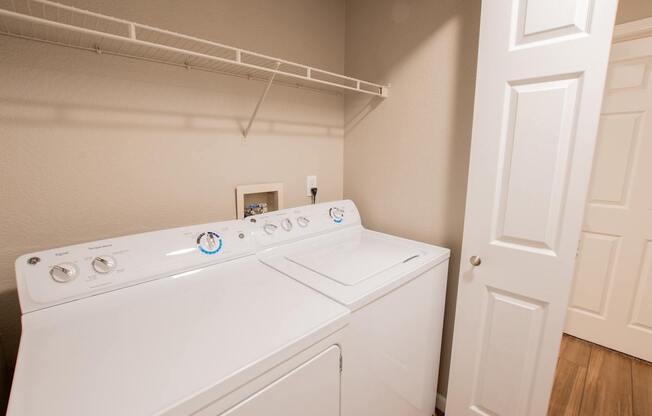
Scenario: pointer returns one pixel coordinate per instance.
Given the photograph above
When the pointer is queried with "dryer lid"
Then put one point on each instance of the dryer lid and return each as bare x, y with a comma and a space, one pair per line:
355, 260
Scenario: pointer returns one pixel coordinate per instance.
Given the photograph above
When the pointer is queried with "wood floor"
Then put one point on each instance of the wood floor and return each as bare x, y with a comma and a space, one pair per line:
594, 381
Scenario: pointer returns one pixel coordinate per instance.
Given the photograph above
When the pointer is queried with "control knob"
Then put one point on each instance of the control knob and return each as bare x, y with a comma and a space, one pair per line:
286, 224
303, 222
270, 228
337, 214
209, 242
64, 272
104, 264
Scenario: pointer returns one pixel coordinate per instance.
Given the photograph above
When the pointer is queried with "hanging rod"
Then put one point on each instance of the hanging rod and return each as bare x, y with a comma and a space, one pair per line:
53, 23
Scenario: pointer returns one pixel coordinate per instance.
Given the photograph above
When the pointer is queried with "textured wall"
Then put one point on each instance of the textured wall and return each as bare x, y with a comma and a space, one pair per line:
406, 158
97, 146
629, 10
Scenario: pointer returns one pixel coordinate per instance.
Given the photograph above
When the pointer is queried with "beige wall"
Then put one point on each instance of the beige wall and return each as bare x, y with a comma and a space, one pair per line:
97, 146
629, 10
406, 158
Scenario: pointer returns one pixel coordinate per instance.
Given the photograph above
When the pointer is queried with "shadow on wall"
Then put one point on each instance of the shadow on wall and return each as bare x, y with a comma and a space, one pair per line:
415, 145
359, 114
41, 113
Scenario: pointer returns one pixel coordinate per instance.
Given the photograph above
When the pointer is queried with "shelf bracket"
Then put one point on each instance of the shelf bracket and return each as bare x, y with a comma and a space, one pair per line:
260, 100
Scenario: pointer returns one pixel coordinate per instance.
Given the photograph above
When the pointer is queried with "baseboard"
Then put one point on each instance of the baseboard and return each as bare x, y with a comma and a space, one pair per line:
441, 403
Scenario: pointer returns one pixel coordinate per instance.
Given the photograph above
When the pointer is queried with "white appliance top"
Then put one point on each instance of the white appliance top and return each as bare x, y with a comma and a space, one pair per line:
198, 332
60, 275
353, 259
335, 255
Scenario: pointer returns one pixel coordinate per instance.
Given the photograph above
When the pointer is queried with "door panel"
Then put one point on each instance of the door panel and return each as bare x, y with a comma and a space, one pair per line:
617, 142
612, 290
313, 388
593, 279
537, 144
541, 72
551, 19
627, 75
512, 335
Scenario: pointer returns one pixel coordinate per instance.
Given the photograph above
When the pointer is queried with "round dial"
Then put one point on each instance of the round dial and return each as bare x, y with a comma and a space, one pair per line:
303, 221
104, 264
286, 224
270, 228
63, 272
337, 214
209, 242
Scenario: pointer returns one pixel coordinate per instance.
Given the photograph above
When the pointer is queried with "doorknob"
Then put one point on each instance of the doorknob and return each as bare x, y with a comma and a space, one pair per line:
475, 260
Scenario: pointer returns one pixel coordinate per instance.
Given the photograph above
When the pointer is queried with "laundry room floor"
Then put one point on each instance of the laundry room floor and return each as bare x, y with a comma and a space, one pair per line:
595, 381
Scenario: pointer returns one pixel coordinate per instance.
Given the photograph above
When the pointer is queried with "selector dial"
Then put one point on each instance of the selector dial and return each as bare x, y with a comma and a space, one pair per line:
63, 272
303, 221
270, 228
104, 264
286, 224
337, 214
209, 242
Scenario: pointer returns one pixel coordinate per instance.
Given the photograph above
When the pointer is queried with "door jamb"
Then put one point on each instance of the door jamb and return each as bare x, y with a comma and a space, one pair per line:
633, 30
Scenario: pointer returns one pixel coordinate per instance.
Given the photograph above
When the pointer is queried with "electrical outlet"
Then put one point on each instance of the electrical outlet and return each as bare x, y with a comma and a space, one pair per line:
311, 182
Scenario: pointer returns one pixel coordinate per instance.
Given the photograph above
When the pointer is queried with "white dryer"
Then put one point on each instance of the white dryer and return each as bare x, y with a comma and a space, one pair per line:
395, 289
176, 322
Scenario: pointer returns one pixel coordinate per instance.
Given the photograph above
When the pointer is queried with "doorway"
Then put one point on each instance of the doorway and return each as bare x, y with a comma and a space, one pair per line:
611, 299
541, 70
603, 366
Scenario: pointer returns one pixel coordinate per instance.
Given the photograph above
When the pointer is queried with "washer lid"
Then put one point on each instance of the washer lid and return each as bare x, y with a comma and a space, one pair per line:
154, 346
354, 266
356, 259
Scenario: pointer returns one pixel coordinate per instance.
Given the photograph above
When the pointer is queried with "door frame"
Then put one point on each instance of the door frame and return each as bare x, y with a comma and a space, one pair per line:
633, 30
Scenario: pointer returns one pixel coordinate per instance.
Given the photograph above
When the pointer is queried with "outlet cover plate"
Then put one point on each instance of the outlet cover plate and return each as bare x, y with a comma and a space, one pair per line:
311, 182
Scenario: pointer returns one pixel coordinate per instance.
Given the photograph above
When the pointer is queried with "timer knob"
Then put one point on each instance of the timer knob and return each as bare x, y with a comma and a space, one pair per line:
286, 224
64, 272
104, 264
209, 242
337, 214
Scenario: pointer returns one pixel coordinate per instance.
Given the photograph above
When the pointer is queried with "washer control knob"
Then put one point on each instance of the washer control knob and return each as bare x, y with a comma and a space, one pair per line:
209, 242
104, 264
286, 224
303, 221
270, 228
337, 214
63, 272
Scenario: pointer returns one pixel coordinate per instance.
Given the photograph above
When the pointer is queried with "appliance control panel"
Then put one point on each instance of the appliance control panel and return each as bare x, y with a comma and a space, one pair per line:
290, 224
61, 275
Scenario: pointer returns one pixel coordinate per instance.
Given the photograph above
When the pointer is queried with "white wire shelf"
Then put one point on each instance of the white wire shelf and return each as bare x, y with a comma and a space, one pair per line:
54, 23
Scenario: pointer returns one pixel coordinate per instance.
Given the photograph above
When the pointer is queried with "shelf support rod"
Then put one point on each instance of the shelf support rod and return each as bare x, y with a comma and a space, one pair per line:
261, 99
132, 31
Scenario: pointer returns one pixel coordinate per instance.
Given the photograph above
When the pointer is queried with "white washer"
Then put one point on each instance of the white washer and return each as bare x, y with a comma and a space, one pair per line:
175, 322
394, 287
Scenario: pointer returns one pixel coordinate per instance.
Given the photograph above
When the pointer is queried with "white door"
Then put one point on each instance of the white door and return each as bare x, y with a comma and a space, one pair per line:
541, 71
611, 301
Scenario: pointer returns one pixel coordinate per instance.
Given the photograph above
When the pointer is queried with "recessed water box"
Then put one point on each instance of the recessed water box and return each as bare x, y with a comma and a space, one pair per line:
258, 198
